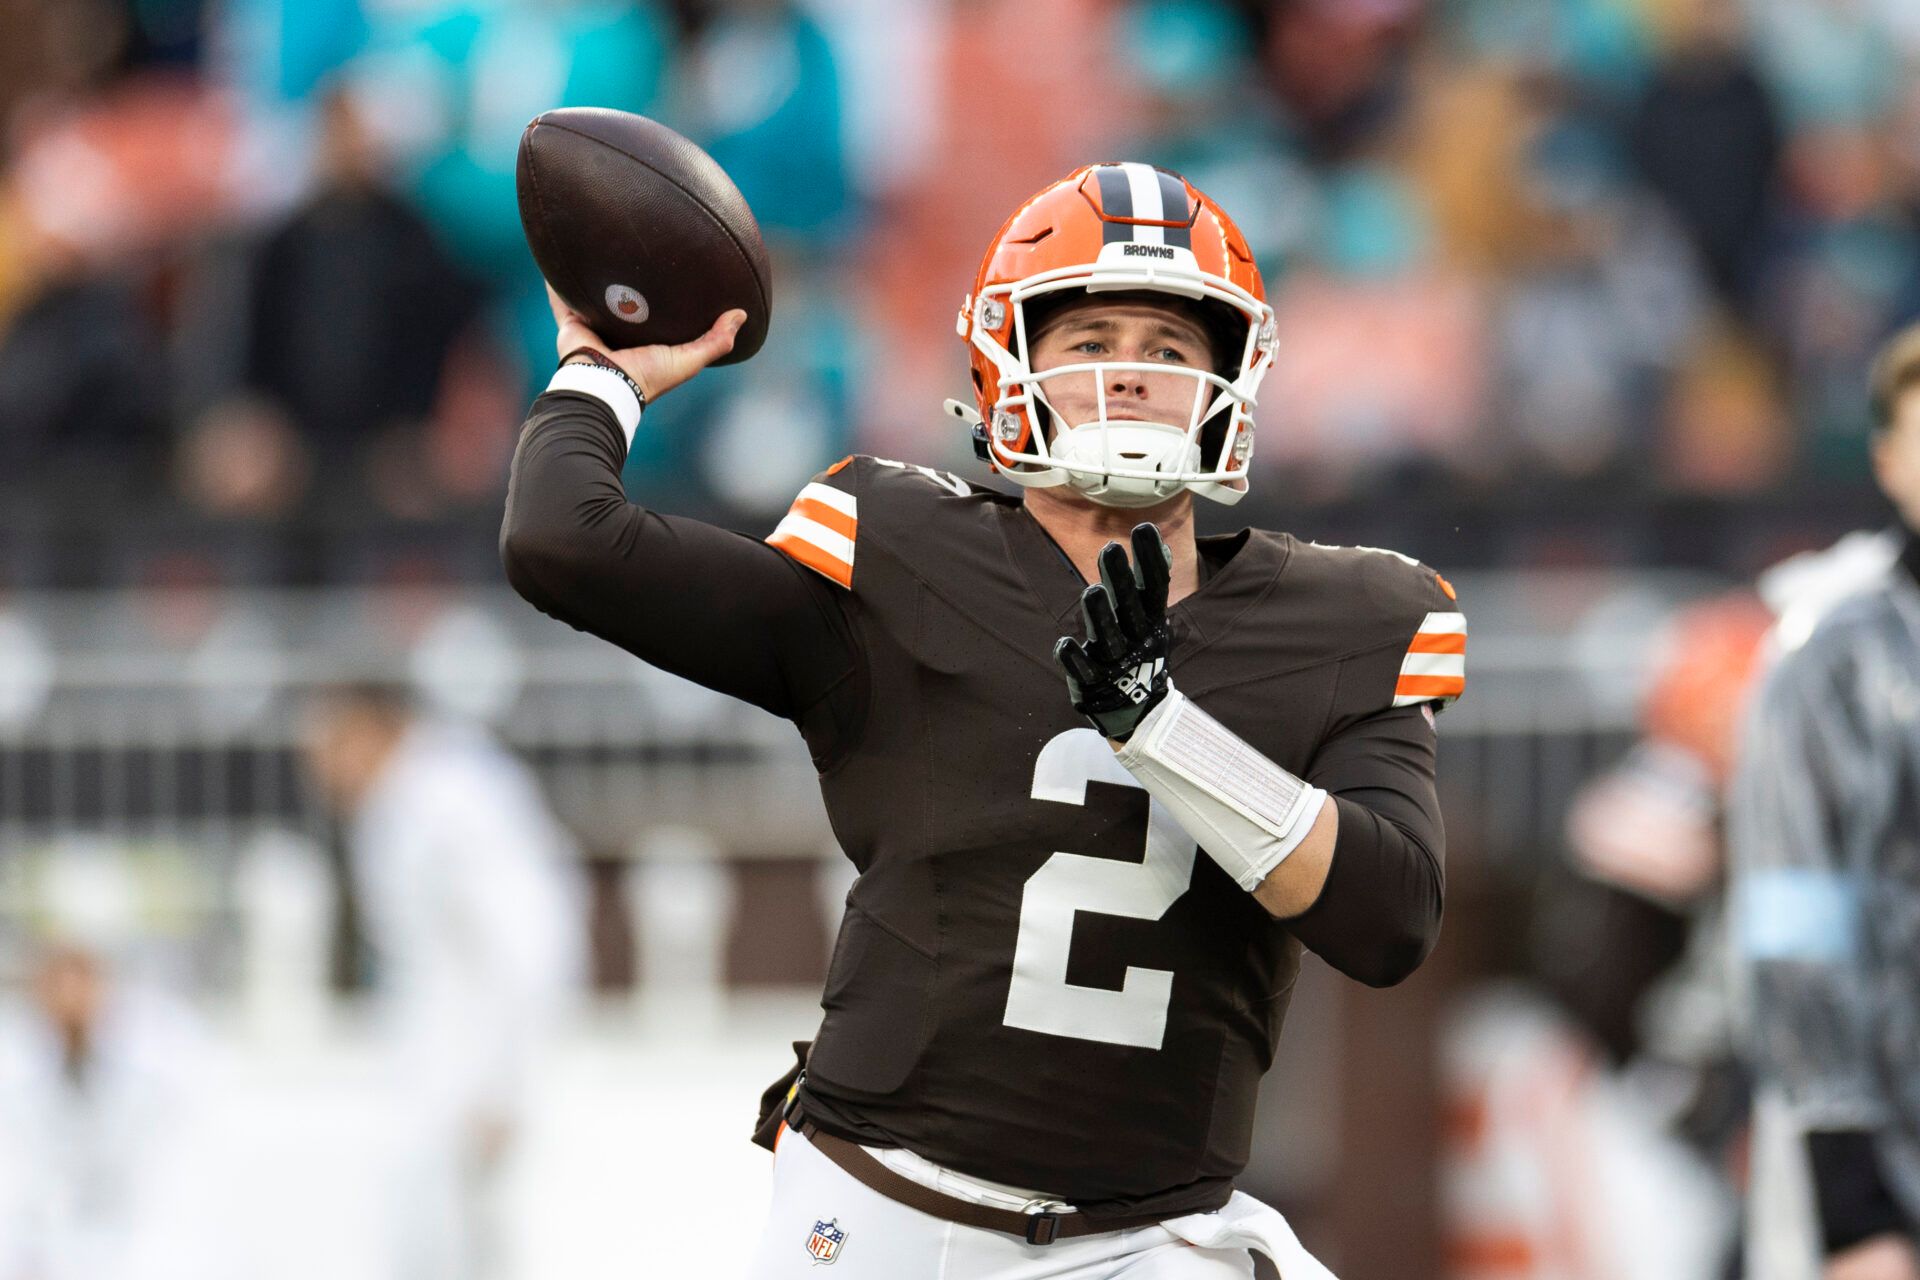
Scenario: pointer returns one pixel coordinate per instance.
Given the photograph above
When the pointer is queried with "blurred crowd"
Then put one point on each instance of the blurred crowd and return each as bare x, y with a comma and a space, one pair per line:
1560, 284
1588, 281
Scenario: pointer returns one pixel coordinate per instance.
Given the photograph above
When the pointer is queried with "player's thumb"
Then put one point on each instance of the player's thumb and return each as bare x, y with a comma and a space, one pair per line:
719, 339
677, 364
711, 345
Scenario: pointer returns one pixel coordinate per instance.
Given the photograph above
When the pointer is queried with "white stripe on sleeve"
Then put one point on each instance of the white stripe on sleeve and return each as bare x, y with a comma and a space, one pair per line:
1435, 664
795, 525
827, 495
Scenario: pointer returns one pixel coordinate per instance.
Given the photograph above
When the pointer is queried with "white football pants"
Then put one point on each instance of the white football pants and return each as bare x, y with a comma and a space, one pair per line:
881, 1239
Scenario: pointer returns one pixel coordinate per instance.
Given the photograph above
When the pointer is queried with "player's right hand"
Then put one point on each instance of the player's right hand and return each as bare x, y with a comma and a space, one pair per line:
656, 370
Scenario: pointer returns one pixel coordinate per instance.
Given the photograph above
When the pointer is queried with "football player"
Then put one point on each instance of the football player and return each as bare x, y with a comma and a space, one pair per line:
1102, 779
1824, 831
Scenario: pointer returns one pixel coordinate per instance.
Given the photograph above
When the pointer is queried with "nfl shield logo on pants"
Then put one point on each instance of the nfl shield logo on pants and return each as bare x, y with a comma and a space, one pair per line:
824, 1244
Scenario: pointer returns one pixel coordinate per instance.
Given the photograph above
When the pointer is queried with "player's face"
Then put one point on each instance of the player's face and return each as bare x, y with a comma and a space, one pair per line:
69, 988
1896, 457
1101, 331
345, 746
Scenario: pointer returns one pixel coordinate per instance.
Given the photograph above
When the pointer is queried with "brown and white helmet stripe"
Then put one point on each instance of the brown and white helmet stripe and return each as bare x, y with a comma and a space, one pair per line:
1144, 205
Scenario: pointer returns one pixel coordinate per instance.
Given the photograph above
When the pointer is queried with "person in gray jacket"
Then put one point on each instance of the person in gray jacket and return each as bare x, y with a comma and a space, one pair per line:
1824, 827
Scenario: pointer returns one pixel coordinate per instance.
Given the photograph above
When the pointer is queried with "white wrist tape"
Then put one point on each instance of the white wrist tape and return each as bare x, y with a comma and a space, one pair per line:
1243, 809
604, 385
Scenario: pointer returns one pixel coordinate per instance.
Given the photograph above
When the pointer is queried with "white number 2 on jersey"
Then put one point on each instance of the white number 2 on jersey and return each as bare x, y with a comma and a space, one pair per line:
1040, 997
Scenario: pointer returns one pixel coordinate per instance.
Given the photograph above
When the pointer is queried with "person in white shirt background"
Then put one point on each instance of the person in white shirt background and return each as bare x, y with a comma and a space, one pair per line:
105, 1073
475, 921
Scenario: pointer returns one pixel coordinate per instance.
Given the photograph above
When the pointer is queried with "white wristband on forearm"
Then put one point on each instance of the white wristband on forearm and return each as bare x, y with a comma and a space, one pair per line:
1243, 809
606, 386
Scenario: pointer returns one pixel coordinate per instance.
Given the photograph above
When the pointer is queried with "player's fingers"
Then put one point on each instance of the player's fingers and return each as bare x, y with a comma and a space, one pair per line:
1153, 562
1073, 660
1105, 643
561, 311
1117, 576
574, 331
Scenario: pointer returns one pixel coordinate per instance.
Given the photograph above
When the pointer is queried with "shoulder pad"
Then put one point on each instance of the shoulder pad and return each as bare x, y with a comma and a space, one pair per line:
1416, 602
821, 528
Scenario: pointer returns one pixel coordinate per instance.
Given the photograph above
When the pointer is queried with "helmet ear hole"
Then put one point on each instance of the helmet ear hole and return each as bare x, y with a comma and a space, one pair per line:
1226, 331
1041, 416
1213, 435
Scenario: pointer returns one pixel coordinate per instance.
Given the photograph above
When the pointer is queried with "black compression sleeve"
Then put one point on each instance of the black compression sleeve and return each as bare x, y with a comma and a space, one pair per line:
1855, 1204
1379, 913
722, 609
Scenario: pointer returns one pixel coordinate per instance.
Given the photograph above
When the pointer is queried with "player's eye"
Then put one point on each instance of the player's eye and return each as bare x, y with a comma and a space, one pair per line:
1176, 354
1089, 346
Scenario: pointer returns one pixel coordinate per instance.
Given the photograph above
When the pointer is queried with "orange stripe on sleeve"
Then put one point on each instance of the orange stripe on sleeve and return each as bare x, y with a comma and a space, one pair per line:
820, 513
1491, 1252
1430, 687
1439, 642
814, 558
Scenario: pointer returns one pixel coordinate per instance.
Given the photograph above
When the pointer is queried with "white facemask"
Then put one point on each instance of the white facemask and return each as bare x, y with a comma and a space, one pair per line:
1117, 462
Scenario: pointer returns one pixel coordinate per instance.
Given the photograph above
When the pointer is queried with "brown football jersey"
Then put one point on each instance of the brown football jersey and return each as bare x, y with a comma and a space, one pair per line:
1040, 979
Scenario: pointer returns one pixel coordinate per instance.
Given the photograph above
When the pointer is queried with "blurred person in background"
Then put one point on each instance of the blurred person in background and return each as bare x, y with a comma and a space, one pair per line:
1647, 840
83, 388
1841, 265
104, 1105
1339, 69
102, 196
447, 86
1706, 137
1598, 1110
1603, 297
467, 893
1825, 830
352, 320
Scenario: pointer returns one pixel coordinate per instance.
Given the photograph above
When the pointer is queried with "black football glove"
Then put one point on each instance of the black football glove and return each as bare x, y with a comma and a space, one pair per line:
1120, 673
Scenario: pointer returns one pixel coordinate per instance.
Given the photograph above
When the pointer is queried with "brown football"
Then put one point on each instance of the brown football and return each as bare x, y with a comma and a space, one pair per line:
639, 230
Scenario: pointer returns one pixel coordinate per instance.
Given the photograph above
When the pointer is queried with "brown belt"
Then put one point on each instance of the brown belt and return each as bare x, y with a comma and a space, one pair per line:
1034, 1228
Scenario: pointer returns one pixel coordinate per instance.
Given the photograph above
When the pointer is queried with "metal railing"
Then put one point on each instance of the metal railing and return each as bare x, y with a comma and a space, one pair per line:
167, 724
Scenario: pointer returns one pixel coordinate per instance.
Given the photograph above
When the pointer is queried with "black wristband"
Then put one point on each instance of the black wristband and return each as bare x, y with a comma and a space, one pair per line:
1855, 1202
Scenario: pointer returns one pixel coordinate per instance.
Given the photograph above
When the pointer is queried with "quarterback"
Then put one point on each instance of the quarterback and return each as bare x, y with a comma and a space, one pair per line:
1102, 778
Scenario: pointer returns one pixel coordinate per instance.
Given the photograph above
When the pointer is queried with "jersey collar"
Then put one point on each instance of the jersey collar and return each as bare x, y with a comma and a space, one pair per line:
1244, 565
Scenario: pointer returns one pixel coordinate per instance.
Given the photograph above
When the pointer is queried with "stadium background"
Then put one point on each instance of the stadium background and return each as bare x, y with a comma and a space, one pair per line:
1575, 300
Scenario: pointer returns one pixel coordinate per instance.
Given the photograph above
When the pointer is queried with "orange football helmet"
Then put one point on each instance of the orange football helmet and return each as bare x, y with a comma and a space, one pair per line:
1131, 228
